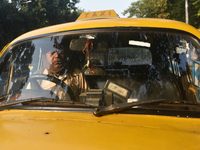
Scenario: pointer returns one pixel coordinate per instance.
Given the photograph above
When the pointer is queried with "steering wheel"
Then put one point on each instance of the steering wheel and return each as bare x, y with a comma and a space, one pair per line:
35, 85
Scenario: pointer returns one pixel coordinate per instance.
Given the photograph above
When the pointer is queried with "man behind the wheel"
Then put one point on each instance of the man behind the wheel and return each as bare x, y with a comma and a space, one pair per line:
54, 64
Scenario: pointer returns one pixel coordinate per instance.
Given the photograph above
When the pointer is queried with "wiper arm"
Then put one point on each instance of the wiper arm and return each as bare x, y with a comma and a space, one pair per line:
123, 106
3, 97
43, 99
11, 103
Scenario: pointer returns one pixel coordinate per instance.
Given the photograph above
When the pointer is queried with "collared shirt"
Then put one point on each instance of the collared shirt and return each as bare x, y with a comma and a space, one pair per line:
75, 81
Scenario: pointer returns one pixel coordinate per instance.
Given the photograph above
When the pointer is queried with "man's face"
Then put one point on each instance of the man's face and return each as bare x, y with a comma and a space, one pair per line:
55, 58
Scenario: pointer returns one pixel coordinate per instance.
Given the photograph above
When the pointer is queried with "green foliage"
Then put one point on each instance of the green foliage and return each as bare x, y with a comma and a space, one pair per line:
148, 9
20, 16
167, 9
196, 11
10, 22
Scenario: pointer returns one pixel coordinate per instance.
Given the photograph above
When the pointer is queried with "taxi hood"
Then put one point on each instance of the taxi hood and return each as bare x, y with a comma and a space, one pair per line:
65, 130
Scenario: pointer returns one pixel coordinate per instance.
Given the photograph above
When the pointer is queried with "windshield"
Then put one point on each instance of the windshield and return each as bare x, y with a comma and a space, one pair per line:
103, 67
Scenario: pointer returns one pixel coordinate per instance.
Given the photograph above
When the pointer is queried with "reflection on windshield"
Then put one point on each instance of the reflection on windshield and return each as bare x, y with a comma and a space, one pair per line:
109, 68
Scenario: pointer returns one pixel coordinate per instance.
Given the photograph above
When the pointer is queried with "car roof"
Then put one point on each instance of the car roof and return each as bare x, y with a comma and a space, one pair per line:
92, 20
106, 23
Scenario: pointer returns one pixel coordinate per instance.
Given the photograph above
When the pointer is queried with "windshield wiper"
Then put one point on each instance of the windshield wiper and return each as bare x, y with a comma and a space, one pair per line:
11, 103
52, 101
123, 106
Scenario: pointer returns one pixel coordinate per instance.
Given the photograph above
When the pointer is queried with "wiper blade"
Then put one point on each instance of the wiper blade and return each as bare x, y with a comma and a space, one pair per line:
11, 103
54, 101
3, 97
123, 106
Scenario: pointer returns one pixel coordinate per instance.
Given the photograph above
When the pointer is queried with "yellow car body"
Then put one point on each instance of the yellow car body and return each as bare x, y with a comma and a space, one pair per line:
39, 128
106, 23
23, 129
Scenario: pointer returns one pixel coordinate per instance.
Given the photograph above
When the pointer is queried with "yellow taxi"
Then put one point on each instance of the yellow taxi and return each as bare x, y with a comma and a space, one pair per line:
102, 83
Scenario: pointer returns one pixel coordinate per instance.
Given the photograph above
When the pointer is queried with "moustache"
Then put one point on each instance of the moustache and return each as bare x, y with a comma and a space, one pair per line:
57, 61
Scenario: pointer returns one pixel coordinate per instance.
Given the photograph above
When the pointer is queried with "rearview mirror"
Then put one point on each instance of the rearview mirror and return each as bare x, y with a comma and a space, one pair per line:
77, 44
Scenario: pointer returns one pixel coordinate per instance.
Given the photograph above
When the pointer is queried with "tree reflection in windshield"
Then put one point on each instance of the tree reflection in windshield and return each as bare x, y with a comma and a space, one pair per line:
17, 64
103, 68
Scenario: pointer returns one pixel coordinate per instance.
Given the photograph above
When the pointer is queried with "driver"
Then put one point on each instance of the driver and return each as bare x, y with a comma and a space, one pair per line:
54, 63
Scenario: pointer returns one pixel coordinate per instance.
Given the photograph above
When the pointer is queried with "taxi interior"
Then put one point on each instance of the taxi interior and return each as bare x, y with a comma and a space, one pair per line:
118, 66
125, 73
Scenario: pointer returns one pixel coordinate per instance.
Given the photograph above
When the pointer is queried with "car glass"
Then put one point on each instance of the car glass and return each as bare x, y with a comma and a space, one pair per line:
102, 68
